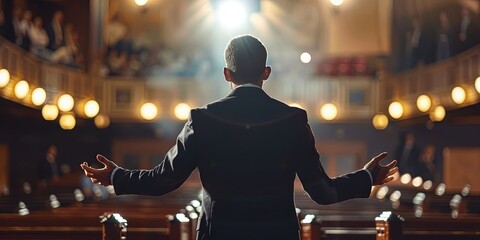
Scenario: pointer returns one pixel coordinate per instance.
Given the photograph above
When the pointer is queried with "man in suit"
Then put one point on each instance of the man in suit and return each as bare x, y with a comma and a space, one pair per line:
248, 148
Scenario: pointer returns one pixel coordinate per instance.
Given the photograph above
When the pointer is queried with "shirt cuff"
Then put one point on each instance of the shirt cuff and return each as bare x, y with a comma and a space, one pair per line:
113, 174
369, 174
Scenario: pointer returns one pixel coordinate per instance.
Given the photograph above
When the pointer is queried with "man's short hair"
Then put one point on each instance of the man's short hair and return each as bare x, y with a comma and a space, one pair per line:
245, 57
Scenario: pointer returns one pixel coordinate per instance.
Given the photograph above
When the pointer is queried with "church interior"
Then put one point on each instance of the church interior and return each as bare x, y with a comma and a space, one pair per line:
119, 78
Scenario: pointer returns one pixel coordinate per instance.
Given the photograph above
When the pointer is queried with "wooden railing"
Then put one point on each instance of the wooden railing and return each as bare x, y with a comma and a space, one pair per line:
54, 78
436, 80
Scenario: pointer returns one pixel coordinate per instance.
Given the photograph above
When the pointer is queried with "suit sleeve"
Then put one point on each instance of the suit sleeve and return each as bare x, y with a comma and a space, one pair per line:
169, 175
320, 187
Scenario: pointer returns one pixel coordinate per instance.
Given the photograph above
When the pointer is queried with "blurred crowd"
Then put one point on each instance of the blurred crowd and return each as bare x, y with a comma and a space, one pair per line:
429, 39
138, 55
53, 41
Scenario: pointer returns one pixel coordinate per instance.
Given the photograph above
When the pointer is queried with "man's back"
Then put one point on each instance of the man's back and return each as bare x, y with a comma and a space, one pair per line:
246, 160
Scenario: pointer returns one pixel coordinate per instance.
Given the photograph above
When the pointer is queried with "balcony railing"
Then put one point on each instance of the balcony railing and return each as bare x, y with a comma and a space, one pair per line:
435, 80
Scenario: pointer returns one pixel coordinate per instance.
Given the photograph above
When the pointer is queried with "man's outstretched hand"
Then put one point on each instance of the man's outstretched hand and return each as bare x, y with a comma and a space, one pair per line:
100, 175
381, 174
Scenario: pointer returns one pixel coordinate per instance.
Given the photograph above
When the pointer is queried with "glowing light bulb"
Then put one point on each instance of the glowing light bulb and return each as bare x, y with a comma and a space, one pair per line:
380, 121
148, 111
91, 108
182, 111
39, 96
424, 103
458, 95
50, 112
4, 77
21, 89
328, 111
65, 103
438, 114
67, 122
395, 109
477, 84
102, 121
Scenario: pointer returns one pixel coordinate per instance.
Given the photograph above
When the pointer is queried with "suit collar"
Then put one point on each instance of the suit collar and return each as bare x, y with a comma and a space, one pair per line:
247, 91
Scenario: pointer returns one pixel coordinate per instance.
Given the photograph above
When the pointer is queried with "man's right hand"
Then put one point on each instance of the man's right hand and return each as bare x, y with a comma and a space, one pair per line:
381, 174
101, 175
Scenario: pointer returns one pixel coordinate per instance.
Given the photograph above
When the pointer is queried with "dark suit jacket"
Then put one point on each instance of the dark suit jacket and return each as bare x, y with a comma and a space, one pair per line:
248, 148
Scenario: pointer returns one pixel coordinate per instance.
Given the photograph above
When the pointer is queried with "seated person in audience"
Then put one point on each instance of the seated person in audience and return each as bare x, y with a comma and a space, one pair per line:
39, 39
248, 148
49, 169
427, 164
407, 154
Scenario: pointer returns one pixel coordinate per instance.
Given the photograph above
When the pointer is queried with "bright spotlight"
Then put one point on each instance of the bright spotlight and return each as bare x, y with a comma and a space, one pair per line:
231, 13
336, 3
305, 57
141, 2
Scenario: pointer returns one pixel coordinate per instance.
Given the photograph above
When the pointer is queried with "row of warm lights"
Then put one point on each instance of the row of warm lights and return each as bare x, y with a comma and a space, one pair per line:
149, 111
50, 112
66, 103
424, 104
328, 111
